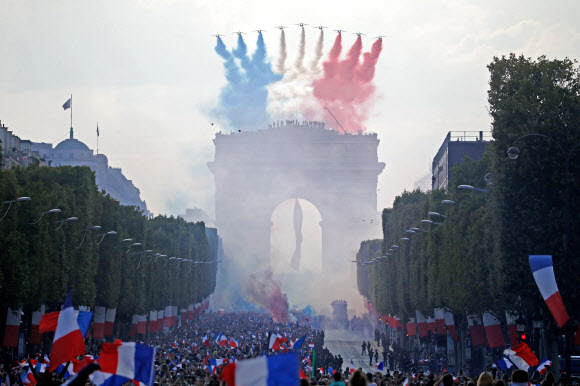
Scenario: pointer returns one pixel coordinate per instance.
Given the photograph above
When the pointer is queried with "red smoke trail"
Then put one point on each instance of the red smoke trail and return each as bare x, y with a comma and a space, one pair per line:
346, 86
267, 292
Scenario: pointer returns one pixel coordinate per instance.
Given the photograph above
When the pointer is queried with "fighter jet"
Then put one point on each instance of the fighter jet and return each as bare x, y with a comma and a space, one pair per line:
380, 37
281, 27
216, 35
340, 31
320, 27
358, 33
301, 24
239, 33
259, 30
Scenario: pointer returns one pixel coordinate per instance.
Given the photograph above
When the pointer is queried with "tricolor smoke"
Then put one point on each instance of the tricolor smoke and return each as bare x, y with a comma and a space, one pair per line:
243, 100
254, 94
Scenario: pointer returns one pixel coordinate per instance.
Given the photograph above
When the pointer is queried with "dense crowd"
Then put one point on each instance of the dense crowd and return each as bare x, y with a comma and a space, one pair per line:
196, 352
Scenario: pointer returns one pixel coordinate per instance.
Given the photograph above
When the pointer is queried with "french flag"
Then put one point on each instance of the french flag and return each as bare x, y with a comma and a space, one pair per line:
141, 324
133, 329
504, 364
421, 324
431, 325
174, 315
12, 329
167, 320
543, 271
311, 345
476, 330
440, 321
99, 323
129, 360
275, 341
68, 339
153, 321
110, 321
493, 331
298, 343
35, 335
542, 366
352, 370
205, 341
281, 370
233, 343
406, 382
27, 378
450, 323
521, 356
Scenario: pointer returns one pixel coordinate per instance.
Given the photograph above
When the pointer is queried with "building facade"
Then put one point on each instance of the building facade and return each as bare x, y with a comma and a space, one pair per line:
457, 144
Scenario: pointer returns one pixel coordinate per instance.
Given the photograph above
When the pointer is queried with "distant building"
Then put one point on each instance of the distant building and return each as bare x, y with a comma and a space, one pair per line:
457, 144
196, 215
339, 311
71, 152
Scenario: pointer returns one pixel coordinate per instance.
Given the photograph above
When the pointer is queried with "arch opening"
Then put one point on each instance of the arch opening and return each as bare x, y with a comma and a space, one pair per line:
296, 237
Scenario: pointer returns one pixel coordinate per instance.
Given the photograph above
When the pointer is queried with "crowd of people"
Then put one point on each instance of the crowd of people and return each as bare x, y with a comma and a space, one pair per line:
196, 352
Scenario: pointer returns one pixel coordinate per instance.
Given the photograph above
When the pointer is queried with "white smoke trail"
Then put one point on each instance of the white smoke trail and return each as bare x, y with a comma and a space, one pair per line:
283, 53
301, 50
295, 90
318, 51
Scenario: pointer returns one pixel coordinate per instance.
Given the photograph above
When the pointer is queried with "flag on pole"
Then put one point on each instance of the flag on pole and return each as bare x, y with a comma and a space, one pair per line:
12, 330
493, 330
450, 323
68, 339
476, 330
97, 129
66, 104
543, 271
298, 343
543, 366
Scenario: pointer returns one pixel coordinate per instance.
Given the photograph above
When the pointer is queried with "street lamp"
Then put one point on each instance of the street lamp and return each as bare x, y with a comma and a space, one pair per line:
469, 187
93, 228
133, 245
123, 241
448, 202
47, 212
66, 220
436, 214
10, 202
103, 235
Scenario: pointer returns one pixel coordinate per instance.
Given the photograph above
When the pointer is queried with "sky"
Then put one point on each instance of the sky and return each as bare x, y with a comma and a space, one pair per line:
147, 72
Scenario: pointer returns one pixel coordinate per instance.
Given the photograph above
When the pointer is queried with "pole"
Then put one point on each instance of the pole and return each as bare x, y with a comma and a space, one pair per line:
71, 111
313, 361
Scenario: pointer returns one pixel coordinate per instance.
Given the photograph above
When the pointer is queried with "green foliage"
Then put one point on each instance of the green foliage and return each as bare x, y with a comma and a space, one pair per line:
40, 263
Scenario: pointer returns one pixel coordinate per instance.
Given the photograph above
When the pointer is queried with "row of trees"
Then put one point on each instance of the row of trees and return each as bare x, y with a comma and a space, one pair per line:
478, 260
39, 262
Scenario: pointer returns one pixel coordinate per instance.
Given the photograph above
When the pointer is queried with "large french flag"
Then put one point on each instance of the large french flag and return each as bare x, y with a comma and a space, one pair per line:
167, 319
68, 340
431, 325
476, 330
99, 323
543, 366
421, 324
493, 330
276, 370
174, 315
110, 321
35, 335
522, 356
130, 360
12, 328
543, 271
133, 329
411, 329
450, 323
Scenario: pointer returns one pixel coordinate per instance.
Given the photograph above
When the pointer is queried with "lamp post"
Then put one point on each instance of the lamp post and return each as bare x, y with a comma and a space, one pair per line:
43, 213
93, 228
10, 202
103, 235
66, 220
513, 153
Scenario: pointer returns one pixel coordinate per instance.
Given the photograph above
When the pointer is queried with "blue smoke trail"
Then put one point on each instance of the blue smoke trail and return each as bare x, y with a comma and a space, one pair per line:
243, 100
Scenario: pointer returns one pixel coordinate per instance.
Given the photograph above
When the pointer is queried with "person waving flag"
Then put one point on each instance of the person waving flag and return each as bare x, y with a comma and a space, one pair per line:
68, 339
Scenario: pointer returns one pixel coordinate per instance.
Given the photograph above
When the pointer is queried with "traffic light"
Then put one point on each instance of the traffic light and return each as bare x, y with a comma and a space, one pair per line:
523, 337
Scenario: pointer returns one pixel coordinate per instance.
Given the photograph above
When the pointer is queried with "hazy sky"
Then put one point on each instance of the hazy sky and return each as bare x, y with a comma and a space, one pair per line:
146, 70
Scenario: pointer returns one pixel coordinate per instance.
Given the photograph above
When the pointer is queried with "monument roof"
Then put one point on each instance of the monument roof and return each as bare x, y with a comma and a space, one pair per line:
71, 144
